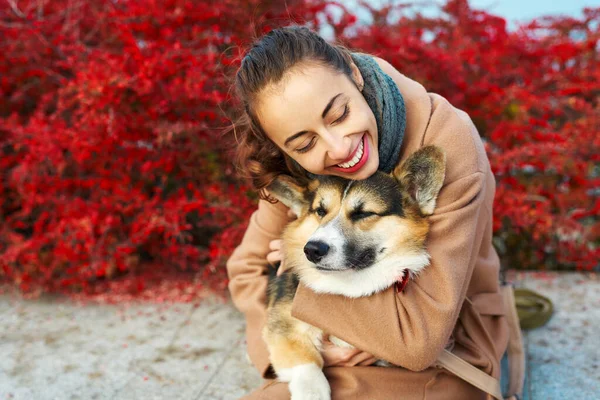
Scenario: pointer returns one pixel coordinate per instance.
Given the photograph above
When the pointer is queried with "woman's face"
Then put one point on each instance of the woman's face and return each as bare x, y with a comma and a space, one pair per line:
320, 118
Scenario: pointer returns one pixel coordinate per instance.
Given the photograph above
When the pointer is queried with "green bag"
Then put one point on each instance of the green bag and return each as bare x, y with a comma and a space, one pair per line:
533, 309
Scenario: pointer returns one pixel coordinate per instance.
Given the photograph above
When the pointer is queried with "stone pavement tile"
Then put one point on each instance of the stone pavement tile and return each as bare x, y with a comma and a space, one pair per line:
563, 356
185, 367
54, 349
235, 379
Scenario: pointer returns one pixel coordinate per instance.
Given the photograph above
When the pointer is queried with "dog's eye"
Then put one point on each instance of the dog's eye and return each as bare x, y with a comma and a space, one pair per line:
321, 212
355, 216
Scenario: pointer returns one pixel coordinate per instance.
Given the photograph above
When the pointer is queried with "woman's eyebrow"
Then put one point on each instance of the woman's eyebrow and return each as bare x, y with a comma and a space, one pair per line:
328, 106
325, 111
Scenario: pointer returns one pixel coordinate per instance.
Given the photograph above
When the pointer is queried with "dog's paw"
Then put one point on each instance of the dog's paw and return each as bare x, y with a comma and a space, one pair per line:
306, 382
310, 387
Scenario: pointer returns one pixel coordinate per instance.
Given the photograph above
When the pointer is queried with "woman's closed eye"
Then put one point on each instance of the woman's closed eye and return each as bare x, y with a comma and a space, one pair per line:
337, 121
307, 147
344, 115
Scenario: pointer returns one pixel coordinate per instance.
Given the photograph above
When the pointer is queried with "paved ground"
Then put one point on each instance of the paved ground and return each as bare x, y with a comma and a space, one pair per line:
53, 349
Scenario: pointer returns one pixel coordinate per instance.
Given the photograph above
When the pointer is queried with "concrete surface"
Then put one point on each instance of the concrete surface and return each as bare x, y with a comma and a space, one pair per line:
55, 349
563, 357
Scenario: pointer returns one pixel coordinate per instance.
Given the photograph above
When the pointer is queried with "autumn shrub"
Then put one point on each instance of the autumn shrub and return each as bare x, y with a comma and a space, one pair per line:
116, 177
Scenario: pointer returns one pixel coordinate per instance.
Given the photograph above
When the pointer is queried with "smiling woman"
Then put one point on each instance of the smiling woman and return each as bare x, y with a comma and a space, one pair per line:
314, 108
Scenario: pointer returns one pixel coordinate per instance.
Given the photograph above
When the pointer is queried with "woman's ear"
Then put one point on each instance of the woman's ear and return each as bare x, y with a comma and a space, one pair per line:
357, 76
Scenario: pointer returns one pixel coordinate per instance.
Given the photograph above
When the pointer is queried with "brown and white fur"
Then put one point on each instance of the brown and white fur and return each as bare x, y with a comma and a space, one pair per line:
351, 238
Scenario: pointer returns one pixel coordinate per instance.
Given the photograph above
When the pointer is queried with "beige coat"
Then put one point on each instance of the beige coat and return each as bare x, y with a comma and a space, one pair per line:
453, 304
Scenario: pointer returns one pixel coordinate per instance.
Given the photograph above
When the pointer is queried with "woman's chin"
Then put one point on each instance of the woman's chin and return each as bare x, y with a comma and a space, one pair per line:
366, 171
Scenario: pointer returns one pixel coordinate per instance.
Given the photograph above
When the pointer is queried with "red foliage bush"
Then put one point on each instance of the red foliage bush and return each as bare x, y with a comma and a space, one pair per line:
534, 96
115, 171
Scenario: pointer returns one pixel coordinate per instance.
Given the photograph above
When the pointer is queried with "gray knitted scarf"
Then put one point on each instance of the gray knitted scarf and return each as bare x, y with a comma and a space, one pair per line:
386, 102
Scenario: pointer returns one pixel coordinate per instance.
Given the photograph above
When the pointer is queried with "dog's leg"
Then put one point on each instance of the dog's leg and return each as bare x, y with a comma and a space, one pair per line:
294, 346
297, 360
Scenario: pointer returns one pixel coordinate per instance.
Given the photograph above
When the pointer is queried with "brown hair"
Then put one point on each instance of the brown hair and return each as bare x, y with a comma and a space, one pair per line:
266, 63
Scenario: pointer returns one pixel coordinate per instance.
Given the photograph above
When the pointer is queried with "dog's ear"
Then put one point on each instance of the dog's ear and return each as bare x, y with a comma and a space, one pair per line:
289, 192
422, 174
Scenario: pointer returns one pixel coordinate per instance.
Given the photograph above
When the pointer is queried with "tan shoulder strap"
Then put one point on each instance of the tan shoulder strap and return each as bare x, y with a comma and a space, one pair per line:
471, 374
516, 358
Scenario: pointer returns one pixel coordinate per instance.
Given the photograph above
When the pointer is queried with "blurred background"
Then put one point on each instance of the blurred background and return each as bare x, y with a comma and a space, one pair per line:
116, 179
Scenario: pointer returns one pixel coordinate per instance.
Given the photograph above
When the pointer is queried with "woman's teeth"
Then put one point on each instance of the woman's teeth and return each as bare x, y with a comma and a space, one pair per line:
356, 157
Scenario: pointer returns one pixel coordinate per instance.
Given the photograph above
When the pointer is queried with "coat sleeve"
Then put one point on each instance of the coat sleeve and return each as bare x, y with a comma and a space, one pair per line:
247, 271
411, 328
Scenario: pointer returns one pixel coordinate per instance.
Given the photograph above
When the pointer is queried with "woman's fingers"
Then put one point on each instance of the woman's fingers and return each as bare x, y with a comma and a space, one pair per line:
281, 268
368, 362
274, 256
357, 359
344, 357
337, 356
362, 358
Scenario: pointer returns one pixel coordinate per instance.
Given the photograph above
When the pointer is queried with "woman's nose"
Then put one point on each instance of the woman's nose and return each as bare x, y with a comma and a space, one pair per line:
338, 148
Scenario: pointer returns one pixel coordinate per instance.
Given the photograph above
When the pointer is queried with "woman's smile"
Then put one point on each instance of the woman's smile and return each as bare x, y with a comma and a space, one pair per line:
359, 157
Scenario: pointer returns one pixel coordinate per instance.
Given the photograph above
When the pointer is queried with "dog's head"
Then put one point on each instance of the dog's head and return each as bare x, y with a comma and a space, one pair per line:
355, 238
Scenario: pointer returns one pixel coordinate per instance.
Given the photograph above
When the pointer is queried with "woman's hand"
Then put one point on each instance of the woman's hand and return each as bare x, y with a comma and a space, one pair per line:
275, 255
275, 246
336, 356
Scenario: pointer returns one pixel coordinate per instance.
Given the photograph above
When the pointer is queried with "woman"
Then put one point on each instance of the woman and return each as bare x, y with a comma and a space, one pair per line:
310, 108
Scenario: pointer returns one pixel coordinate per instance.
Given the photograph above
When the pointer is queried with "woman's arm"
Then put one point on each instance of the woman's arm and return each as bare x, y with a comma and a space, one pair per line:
247, 268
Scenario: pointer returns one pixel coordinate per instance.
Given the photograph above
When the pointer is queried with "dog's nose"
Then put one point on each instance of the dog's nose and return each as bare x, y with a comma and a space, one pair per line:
315, 250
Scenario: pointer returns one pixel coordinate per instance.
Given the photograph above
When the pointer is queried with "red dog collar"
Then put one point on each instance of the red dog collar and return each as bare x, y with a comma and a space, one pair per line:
401, 284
